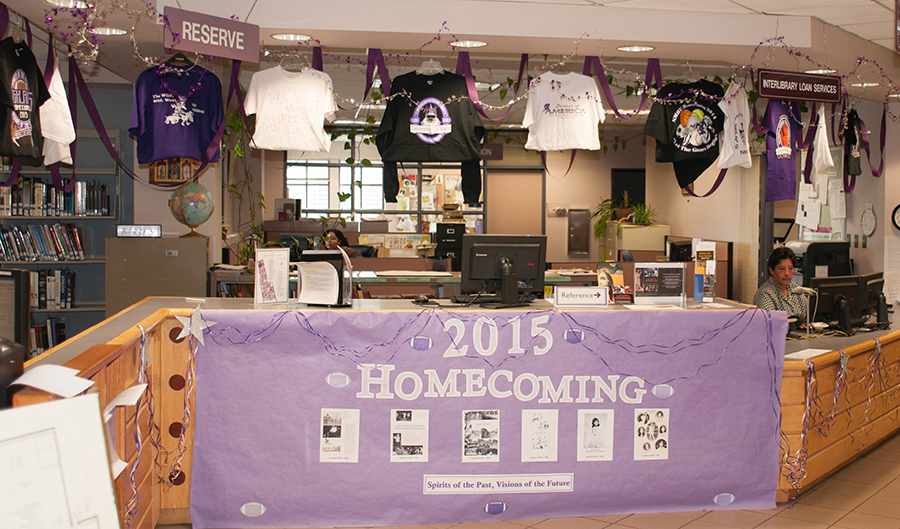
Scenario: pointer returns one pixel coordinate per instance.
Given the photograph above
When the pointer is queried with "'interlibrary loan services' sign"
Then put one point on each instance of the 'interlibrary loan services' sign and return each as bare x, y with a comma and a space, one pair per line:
795, 86
209, 35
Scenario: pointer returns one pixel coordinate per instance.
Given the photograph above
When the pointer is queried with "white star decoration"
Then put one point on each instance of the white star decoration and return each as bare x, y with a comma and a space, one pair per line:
194, 325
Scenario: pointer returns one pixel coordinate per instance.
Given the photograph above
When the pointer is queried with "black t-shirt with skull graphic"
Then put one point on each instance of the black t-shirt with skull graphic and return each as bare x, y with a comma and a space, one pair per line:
686, 122
22, 92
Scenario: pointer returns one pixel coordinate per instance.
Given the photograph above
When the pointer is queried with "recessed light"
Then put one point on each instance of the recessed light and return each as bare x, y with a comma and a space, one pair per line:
468, 44
295, 37
108, 31
635, 49
864, 85
822, 71
69, 4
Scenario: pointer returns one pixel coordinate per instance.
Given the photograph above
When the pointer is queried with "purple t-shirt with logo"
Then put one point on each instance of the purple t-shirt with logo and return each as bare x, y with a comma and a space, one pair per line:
176, 116
783, 121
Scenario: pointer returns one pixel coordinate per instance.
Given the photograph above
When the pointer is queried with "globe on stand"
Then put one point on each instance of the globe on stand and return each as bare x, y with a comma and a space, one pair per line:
192, 205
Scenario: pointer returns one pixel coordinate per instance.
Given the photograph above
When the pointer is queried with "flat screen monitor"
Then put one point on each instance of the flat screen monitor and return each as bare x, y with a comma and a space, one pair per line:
511, 264
680, 251
829, 291
869, 287
15, 305
298, 243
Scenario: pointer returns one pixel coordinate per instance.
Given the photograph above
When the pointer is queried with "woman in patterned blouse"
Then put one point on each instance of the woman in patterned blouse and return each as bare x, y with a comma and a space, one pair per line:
777, 292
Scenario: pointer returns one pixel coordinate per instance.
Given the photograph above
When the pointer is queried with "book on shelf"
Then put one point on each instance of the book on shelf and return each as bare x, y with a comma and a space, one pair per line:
31, 196
45, 336
42, 242
52, 289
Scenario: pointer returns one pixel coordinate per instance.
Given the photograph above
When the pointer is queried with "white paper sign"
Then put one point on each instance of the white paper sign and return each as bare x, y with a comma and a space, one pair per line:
272, 284
318, 283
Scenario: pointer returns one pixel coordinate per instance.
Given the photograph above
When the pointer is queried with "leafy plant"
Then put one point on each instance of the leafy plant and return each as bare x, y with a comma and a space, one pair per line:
236, 145
644, 214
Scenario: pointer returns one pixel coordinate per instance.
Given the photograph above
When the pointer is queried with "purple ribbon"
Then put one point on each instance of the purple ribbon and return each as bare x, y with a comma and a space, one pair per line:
4, 18
653, 72
718, 182
376, 59
317, 62
464, 68
93, 113
234, 87
28, 38
571, 161
865, 141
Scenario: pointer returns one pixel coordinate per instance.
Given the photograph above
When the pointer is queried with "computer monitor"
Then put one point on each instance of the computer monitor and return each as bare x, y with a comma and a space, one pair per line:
680, 251
298, 242
838, 300
15, 305
832, 256
871, 287
512, 264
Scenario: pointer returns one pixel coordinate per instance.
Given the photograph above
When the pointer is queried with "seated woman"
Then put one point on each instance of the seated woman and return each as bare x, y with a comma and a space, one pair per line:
776, 293
337, 238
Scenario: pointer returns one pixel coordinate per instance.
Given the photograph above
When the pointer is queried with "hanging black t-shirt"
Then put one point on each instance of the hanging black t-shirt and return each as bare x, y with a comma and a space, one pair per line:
22, 92
687, 128
430, 118
853, 143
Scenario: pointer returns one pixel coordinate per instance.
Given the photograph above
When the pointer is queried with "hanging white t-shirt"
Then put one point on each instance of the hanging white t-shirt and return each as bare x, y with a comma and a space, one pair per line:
291, 109
56, 122
735, 150
563, 112
821, 153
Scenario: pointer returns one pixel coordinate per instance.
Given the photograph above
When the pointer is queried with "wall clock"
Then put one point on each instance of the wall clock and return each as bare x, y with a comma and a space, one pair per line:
895, 217
868, 222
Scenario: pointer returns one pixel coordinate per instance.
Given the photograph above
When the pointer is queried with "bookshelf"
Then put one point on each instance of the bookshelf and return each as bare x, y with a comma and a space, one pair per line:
62, 236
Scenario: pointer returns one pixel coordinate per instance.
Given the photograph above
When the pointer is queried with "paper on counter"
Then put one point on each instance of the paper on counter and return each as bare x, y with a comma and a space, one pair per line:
58, 380
318, 283
129, 397
806, 353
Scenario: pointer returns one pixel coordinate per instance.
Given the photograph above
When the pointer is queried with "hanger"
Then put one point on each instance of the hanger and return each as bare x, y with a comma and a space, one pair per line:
293, 62
562, 67
690, 75
179, 59
430, 67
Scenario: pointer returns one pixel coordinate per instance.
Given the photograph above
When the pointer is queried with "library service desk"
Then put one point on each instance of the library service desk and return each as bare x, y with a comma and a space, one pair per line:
284, 413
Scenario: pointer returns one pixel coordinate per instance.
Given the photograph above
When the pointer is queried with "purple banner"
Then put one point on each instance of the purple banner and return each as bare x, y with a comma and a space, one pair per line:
209, 35
343, 418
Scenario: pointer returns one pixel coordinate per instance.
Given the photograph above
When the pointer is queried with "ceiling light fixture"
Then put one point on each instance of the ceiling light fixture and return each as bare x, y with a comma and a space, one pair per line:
865, 85
635, 49
108, 31
468, 44
294, 37
893, 95
70, 4
822, 71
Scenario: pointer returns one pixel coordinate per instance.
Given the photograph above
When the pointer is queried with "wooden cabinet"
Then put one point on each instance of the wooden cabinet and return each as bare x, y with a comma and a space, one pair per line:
632, 237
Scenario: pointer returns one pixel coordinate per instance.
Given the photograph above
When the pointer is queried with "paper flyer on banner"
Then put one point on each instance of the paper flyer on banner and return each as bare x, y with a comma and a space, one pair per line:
340, 436
409, 435
540, 435
55, 466
318, 283
651, 433
595, 435
481, 436
272, 284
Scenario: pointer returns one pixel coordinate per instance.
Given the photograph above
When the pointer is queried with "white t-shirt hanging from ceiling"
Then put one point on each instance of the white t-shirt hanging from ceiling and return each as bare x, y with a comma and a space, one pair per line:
563, 112
821, 153
735, 149
291, 109
56, 122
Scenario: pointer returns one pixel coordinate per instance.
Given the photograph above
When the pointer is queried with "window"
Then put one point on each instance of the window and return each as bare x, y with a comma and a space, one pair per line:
309, 183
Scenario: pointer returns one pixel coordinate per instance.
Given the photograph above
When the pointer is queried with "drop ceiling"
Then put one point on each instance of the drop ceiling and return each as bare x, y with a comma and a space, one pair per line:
712, 37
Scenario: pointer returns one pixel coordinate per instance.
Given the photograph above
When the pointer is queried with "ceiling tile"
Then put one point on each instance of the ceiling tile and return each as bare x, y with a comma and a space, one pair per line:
845, 14
781, 6
872, 30
712, 6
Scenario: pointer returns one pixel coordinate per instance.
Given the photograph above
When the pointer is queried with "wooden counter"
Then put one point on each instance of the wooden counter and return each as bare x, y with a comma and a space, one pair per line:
840, 430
